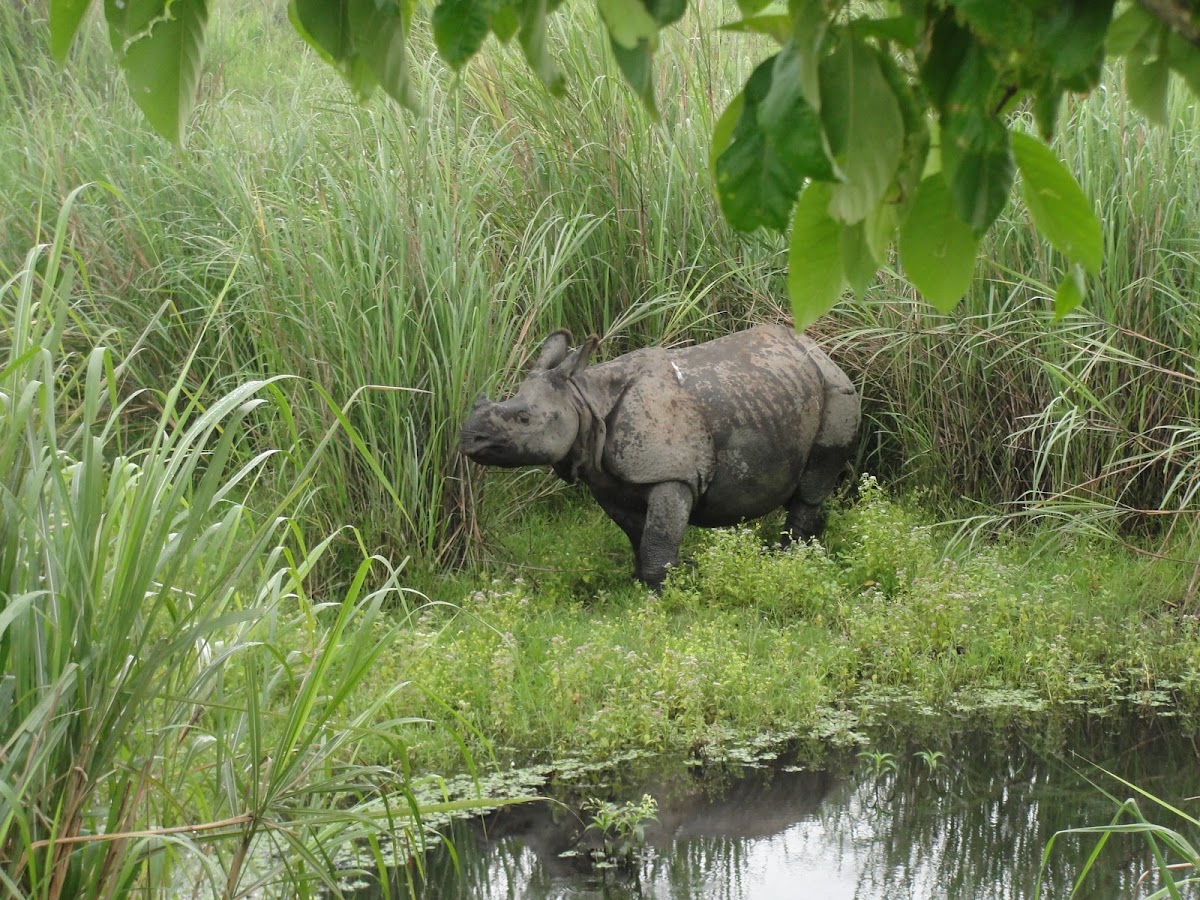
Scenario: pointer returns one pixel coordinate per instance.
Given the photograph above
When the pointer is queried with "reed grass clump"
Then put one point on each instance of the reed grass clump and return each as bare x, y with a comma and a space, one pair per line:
169, 683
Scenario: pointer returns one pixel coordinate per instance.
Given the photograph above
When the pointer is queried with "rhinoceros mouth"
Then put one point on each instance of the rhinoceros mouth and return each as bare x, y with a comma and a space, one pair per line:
485, 449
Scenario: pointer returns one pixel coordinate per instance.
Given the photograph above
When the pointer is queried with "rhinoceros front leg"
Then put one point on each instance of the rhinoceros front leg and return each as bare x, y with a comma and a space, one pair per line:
668, 507
633, 523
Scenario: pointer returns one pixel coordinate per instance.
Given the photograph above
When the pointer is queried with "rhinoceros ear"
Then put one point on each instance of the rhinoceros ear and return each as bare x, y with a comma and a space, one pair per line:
554, 350
579, 360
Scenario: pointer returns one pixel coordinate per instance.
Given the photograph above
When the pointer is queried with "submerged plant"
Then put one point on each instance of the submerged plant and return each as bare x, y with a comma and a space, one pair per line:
622, 827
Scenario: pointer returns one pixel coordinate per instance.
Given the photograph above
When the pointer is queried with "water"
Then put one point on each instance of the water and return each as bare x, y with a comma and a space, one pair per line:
973, 827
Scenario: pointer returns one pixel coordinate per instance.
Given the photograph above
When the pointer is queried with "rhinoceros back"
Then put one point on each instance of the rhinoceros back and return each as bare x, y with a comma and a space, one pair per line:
760, 395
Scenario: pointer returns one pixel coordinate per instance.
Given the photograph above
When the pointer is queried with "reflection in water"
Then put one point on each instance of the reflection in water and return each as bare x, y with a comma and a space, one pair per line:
973, 828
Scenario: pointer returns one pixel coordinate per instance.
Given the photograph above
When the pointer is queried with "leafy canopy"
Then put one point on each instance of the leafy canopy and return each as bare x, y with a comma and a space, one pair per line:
874, 120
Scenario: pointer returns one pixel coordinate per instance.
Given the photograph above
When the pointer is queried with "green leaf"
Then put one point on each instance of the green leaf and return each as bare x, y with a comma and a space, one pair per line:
628, 22
977, 163
1184, 58
901, 30
809, 27
161, 58
1070, 293
532, 36
750, 7
790, 124
379, 32
505, 22
858, 262
814, 257
459, 28
1070, 36
763, 166
1130, 31
636, 65
324, 25
937, 248
778, 27
1146, 82
666, 12
65, 16
865, 129
1060, 209
722, 132
879, 226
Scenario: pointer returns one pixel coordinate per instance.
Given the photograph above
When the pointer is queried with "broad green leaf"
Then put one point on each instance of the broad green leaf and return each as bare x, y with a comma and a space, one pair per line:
532, 35
65, 16
998, 22
128, 20
937, 248
636, 65
1045, 107
325, 25
814, 257
758, 178
977, 164
1070, 36
162, 65
665, 12
858, 262
901, 30
379, 34
778, 27
809, 26
1060, 209
1146, 82
1130, 31
1184, 58
722, 132
750, 7
459, 28
1070, 292
505, 22
790, 124
628, 22
865, 129
879, 227
949, 44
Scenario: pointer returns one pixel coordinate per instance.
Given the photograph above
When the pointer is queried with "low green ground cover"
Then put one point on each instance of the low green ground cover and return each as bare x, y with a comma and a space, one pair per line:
557, 653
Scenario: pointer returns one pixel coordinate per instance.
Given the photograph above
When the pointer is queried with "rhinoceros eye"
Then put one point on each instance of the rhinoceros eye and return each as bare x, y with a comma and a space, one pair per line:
523, 417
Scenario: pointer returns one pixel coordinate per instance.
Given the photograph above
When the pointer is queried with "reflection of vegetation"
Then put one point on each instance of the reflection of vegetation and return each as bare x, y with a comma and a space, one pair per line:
977, 831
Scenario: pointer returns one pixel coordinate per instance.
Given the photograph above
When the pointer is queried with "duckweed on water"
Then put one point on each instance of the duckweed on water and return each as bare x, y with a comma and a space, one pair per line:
554, 659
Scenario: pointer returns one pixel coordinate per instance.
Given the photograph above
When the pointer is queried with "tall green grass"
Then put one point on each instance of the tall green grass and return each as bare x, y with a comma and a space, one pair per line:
412, 261
171, 692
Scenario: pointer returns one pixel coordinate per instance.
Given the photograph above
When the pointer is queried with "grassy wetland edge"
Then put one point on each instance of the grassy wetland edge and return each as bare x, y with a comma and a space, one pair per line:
246, 576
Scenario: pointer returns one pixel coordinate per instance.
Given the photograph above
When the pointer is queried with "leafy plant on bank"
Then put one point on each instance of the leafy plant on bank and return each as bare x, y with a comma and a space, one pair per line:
171, 694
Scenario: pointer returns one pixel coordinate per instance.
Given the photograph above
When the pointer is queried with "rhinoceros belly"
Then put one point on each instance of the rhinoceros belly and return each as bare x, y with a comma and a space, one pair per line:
755, 473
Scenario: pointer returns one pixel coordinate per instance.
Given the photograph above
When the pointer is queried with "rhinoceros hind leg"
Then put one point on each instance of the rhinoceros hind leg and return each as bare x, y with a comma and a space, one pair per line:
820, 479
668, 507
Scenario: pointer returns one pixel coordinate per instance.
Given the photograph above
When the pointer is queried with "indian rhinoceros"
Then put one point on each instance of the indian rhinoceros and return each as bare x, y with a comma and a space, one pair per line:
708, 435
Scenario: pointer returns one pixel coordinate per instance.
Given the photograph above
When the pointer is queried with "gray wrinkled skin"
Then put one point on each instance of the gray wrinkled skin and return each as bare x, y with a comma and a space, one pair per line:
707, 435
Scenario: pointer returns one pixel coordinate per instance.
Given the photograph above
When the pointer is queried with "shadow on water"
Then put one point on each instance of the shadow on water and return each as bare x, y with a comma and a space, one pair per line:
971, 827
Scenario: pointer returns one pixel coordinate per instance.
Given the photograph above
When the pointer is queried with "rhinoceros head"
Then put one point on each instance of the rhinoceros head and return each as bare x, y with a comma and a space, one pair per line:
539, 423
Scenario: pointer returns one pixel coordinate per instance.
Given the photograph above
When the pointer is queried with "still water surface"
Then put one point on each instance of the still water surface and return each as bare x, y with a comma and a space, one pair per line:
973, 827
